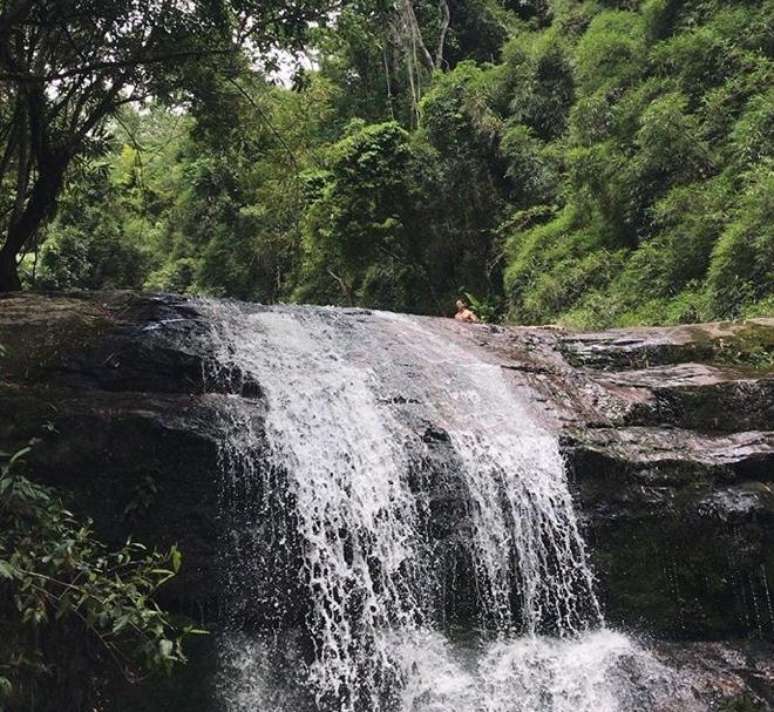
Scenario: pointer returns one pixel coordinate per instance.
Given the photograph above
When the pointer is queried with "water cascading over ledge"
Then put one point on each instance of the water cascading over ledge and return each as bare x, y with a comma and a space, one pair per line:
675, 501
398, 533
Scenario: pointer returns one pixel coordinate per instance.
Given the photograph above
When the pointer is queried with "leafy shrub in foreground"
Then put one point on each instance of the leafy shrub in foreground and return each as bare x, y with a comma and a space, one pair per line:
74, 614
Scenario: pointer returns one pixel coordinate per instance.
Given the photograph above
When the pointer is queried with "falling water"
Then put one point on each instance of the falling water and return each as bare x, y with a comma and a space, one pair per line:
526, 539
341, 427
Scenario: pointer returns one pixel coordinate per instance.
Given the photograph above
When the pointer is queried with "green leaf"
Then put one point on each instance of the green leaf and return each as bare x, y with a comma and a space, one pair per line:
195, 631
166, 647
18, 455
6, 688
7, 571
177, 558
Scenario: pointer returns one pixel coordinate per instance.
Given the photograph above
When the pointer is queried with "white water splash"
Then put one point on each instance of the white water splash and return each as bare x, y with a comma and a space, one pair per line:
601, 671
260, 675
320, 469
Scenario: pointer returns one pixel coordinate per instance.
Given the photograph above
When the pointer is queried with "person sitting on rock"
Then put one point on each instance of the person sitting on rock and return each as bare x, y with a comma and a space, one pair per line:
464, 313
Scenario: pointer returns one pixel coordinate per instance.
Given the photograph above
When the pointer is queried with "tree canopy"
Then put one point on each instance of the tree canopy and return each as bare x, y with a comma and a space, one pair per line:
593, 163
66, 66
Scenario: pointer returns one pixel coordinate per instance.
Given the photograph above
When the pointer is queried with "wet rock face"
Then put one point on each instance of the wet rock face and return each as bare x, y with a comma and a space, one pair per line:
668, 435
669, 438
118, 419
737, 677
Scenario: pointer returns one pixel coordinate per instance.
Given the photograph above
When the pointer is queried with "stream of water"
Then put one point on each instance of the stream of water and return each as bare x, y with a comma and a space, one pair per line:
399, 535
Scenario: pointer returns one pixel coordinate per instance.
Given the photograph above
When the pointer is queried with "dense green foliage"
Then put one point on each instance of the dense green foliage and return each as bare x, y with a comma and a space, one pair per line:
67, 66
593, 163
74, 614
664, 211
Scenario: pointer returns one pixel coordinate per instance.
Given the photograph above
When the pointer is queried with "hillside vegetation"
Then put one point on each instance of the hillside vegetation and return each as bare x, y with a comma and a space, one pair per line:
588, 163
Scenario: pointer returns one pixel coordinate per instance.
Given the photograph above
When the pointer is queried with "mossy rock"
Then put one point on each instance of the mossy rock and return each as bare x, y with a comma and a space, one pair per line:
750, 348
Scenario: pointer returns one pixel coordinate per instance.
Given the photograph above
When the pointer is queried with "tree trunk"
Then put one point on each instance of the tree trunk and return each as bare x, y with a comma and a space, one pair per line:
40, 207
9, 275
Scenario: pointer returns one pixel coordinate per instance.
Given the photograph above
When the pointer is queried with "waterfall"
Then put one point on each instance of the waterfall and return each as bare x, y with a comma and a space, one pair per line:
399, 534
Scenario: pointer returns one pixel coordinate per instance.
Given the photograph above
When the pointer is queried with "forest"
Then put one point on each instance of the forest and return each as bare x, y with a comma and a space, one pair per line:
585, 162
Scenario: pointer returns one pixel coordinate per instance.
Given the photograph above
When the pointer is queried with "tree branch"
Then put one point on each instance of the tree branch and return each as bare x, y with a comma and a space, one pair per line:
416, 34
443, 6
28, 77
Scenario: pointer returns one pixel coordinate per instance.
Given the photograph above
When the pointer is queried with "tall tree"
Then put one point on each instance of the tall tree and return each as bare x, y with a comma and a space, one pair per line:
66, 66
